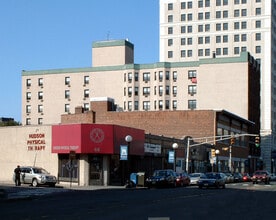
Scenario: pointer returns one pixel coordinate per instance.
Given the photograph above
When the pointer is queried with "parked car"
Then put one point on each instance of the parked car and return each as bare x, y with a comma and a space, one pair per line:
237, 177
229, 178
212, 180
161, 178
36, 176
246, 177
272, 177
261, 176
182, 179
195, 177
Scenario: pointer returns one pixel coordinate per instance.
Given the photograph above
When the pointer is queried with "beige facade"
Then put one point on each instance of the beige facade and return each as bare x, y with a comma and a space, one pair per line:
26, 146
214, 83
192, 30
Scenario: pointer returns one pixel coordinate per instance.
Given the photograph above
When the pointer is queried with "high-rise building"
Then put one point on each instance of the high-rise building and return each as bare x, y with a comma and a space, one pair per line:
196, 29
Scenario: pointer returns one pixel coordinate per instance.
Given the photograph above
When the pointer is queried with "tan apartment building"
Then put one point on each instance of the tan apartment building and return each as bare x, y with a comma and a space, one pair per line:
213, 83
191, 30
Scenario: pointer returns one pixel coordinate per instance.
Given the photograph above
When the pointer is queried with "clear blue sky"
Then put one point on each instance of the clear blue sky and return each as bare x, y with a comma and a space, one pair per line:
51, 34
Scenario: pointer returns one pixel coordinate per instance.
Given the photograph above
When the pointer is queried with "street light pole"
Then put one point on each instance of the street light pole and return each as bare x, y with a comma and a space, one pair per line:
174, 146
230, 159
187, 155
217, 153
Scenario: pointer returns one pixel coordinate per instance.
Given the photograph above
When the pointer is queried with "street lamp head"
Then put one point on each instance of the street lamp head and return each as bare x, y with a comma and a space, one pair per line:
128, 138
175, 146
217, 151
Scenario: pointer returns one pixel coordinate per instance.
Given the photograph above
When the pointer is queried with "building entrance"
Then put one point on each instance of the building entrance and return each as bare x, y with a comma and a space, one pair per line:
96, 170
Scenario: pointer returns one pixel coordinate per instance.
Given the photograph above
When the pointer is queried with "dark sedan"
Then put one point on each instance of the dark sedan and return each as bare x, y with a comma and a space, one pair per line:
161, 178
212, 180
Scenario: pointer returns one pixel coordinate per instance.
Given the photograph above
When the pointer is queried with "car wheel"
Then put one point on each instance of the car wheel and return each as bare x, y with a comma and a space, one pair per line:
52, 185
223, 186
34, 183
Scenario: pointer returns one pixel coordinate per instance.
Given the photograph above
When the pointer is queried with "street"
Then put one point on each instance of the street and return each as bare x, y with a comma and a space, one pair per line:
240, 200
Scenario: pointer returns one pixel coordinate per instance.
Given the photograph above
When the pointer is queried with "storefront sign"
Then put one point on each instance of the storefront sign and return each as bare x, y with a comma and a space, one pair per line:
153, 148
36, 142
171, 156
123, 152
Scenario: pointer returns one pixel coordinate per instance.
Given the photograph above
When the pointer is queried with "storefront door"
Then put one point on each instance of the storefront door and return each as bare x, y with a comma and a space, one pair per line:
96, 170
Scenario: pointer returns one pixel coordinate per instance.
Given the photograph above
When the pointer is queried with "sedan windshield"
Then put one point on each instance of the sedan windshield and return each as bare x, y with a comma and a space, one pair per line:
40, 170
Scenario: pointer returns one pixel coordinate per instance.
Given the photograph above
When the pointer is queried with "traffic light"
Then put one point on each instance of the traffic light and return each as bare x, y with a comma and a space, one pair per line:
232, 141
257, 141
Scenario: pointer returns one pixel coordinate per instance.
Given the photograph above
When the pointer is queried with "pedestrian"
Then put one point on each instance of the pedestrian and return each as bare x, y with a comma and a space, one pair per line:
17, 173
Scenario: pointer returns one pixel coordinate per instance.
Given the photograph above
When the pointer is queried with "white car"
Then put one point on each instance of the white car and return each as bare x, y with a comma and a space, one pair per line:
36, 176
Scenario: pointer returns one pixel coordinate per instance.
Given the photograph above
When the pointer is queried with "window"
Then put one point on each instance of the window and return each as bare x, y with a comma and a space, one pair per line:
225, 26
192, 89
236, 2
160, 90
244, 25
191, 104
28, 109
28, 96
174, 90
200, 16
136, 90
243, 37
218, 2
207, 40
191, 74
218, 27
28, 121
200, 40
86, 80
40, 108
86, 107
190, 17
218, 39
40, 81
244, 12
258, 0
170, 30
183, 29
129, 105
174, 75
207, 27
258, 11
67, 80
236, 13
167, 104
146, 105
67, 108
200, 28
129, 91
244, 1
243, 49
40, 121
136, 77
183, 5
28, 82
207, 52
207, 15
170, 54
40, 95
67, 94
258, 24
225, 2
200, 52
225, 38
190, 29
170, 18
129, 77
160, 76
183, 17
225, 51
183, 41
167, 90
236, 38
258, 49
218, 14
170, 6
236, 25
218, 51
200, 4
160, 104
190, 4
258, 36
167, 75
136, 105
170, 42
174, 104
183, 53
146, 91
146, 76
236, 50
225, 14
207, 3
190, 41
86, 93
190, 53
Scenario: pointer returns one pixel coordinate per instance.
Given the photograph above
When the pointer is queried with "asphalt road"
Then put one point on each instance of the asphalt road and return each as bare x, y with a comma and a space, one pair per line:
237, 201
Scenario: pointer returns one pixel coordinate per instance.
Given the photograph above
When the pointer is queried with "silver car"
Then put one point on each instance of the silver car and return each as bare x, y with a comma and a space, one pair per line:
37, 176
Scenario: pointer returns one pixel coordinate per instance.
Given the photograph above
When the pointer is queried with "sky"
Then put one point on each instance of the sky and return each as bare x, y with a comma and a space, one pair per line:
53, 34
